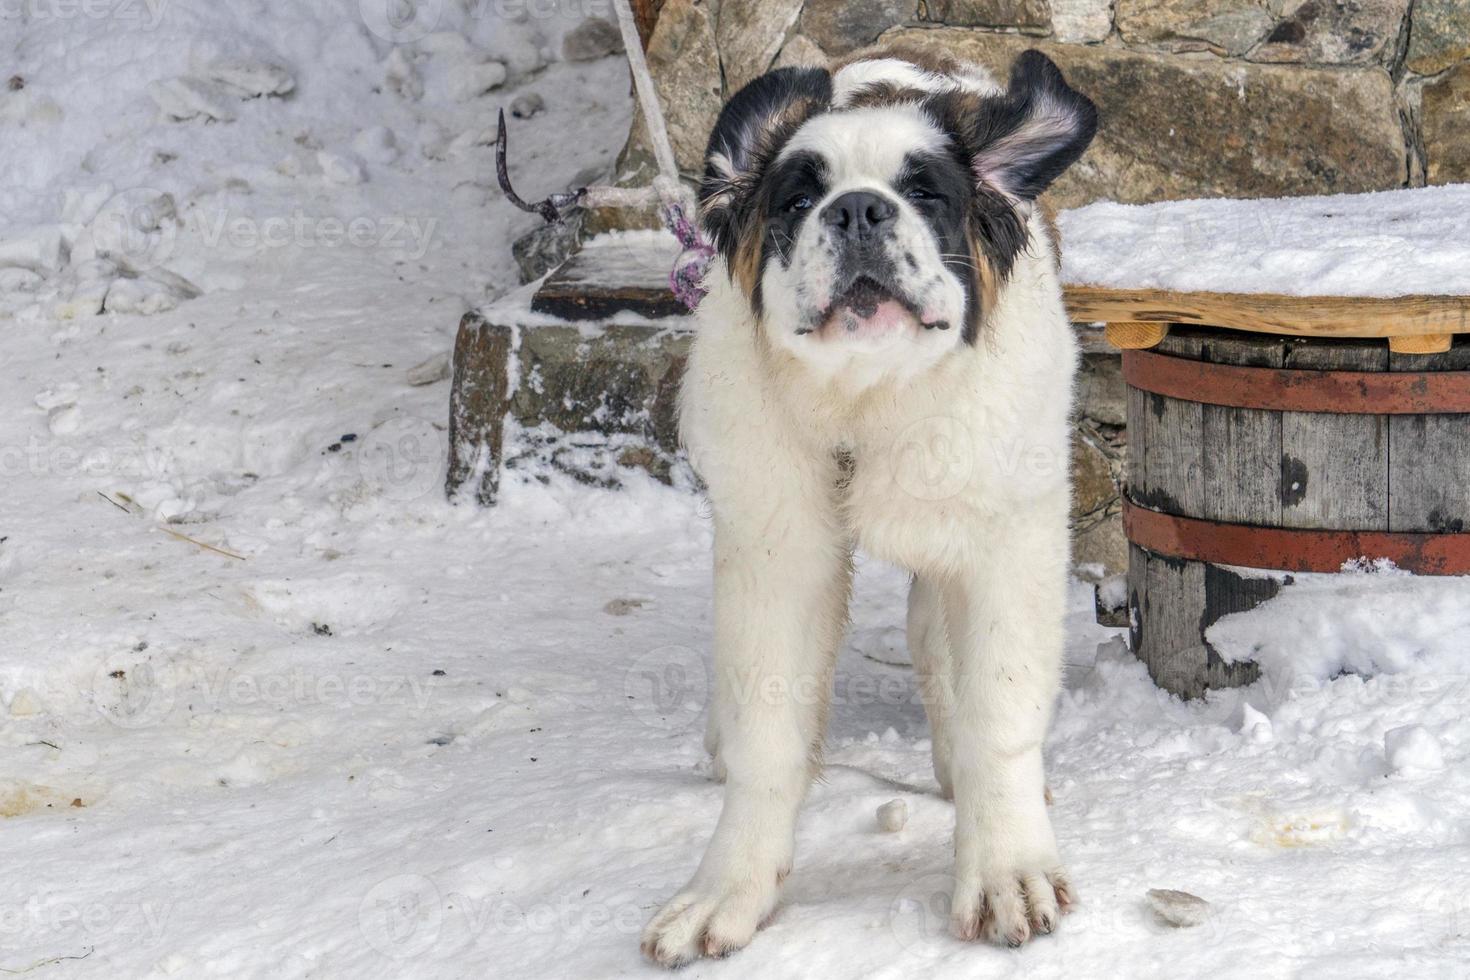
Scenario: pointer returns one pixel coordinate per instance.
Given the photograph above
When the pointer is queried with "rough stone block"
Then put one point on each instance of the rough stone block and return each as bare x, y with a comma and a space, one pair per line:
1028, 16
1445, 112
1297, 31
1179, 127
1439, 36
840, 26
684, 59
750, 35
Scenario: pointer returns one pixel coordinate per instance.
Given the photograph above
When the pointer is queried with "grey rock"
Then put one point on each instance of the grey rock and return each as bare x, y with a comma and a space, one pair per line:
1081, 21
684, 58
527, 105
592, 39
1178, 909
1324, 32
1231, 27
1445, 113
1297, 31
1094, 476
1029, 16
893, 815
801, 52
545, 247
1439, 36
431, 371
840, 26
750, 35
1101, 393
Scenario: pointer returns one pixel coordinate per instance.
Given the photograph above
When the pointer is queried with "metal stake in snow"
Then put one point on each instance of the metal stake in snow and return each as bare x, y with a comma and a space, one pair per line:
672, 196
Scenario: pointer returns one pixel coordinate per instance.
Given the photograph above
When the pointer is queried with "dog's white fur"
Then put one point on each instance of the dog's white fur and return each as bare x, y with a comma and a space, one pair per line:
960, 473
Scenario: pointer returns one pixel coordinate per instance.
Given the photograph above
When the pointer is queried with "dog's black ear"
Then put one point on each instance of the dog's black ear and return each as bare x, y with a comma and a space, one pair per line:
1023, 141
751, 130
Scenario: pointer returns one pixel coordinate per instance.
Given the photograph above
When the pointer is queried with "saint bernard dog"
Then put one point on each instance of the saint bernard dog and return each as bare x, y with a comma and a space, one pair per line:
883, 362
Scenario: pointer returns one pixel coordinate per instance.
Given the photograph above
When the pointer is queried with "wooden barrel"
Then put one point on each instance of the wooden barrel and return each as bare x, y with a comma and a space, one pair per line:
1255, 452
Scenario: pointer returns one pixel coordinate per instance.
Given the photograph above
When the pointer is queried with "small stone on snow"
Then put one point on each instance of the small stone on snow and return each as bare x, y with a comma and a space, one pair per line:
893, 815
1178, 909
24, 704
434, 370
526, 106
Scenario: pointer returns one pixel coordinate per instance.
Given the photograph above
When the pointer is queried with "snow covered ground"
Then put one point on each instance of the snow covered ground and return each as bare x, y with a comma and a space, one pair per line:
270, 707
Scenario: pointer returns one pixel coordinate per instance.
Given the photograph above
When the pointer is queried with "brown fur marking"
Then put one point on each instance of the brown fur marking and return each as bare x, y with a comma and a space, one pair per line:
1053, 232
922, 56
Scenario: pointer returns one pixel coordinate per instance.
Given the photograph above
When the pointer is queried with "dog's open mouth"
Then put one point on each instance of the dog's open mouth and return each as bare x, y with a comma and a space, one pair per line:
869, 309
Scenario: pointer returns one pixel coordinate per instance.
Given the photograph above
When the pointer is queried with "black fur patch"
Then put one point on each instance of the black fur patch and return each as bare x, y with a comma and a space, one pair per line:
938, 186
800, 179
1038, 130
750, 132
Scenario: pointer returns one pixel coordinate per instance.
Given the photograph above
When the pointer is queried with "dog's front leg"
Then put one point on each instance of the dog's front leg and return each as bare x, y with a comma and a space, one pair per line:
1006, 612
781, 581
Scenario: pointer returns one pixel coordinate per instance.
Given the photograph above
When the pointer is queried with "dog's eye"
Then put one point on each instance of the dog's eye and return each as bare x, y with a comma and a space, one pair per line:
918, 194
801, 202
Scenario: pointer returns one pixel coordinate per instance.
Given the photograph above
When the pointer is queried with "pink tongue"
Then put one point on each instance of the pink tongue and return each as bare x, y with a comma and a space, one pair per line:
888, 316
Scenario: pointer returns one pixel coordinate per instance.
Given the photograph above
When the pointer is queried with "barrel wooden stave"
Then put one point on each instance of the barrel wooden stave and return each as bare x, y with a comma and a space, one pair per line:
1275, 469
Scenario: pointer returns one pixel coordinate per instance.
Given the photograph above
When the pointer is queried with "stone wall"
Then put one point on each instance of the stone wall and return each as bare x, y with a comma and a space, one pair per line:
1199, 98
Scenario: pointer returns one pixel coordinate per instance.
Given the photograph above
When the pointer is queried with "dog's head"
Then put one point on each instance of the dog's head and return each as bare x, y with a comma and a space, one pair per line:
872, 214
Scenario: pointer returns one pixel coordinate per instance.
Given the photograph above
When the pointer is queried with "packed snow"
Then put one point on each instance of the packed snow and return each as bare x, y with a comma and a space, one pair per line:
1391, 243
271, 707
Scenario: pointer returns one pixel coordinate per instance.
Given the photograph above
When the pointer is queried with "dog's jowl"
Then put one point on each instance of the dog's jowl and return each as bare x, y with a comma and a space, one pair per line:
883, 362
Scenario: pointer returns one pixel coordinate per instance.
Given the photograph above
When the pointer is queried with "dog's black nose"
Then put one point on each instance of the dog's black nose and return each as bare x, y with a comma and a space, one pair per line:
859, 214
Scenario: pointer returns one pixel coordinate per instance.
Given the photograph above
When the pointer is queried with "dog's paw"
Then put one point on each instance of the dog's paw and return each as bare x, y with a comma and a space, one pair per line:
1010, 906
713, 919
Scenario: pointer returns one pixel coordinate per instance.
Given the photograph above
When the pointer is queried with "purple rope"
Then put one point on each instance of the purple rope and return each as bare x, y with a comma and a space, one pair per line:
687, 277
